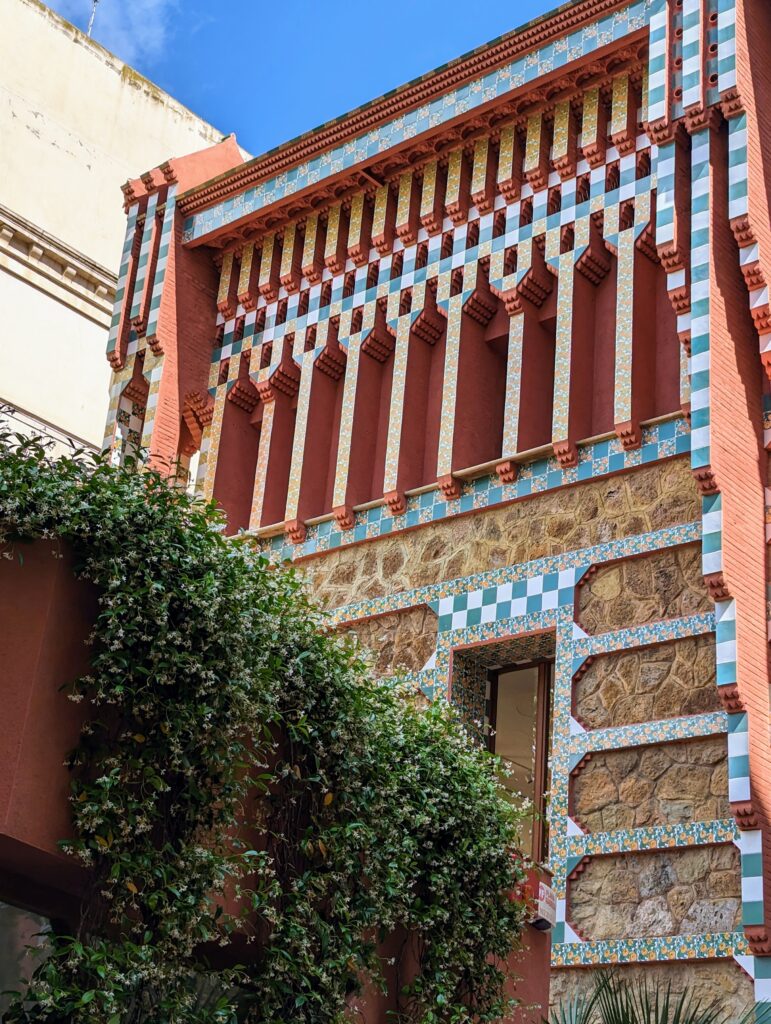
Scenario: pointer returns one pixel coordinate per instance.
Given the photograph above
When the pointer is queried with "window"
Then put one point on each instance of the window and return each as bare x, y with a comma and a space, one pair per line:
519, 713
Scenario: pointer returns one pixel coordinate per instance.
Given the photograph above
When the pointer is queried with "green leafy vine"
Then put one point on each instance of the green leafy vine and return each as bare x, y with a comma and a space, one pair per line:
264, 827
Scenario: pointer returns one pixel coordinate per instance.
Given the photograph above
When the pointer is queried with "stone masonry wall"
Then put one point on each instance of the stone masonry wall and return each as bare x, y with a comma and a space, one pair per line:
647, 684
402, 640
669, 784
666, 584
679, 892
650, 498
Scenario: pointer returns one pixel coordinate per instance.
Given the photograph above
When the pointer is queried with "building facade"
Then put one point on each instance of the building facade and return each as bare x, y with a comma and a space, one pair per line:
487, 359
74, 121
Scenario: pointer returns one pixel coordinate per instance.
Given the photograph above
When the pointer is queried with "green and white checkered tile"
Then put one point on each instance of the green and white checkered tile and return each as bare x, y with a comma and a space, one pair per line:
120, 293
144, 255
167, 231
508, 600
700, 302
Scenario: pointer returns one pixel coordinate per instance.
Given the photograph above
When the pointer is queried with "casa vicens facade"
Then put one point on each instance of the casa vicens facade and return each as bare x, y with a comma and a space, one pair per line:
487, 360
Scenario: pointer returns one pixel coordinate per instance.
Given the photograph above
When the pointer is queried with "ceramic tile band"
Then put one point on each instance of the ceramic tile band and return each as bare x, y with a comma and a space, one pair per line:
598, 459
531, 66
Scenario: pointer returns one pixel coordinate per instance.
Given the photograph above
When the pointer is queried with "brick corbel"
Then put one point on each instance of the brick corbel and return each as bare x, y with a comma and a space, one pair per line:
379, 342
137, 390
244, 394
705, 480
396, 502
699, 118
296, 531
331, 361
430, 323
759, 939
507, 471
629, 434
450, 486
565, 453
285, 378
383, 240
197, 414
481, 305
593, 263
717, 587
344, 516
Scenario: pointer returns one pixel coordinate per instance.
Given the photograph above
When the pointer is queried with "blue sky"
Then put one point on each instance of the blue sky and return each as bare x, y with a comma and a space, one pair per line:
270, 71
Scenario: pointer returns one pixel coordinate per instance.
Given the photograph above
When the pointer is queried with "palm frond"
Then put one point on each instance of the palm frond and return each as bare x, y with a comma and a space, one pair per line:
614, 1000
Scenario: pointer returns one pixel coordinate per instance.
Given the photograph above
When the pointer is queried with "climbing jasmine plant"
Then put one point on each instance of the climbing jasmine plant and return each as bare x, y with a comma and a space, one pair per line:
264, 828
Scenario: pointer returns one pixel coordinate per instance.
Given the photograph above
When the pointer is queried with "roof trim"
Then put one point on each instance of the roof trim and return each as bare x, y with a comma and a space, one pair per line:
399, 101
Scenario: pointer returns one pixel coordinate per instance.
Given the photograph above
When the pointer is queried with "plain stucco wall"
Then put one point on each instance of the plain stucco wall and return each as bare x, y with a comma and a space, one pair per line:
52, 361
75, 123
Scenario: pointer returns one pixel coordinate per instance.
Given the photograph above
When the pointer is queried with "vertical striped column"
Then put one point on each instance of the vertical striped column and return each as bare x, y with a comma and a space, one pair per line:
560, 430
560, 780
693, 58
430, 201
123, 275
623, 119
144, 256
261, 472
726, 45
407, 209
118, 381
359, 230
350, 383
509, 172
622, 379
223, 291
536, 156
245, 293
739, 787
593, 140
167, 233
457, 196
311, 257
269, 270
658, 63
700, 303
396, 410
306, 361
564, 152
482, 177
153, 372
207, 462
513, 386
383, 220
335, 249
450, 376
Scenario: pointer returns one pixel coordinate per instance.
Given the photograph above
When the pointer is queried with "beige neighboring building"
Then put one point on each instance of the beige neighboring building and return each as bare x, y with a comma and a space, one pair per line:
75, 123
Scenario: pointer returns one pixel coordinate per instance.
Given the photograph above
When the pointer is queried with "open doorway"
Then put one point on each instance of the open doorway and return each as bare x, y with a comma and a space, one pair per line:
519, 716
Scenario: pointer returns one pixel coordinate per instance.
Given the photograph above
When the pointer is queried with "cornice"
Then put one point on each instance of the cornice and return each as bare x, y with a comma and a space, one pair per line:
592, 71
43, 261
421, 90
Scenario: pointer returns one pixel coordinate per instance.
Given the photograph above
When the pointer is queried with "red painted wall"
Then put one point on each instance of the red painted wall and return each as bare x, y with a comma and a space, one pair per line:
45, 614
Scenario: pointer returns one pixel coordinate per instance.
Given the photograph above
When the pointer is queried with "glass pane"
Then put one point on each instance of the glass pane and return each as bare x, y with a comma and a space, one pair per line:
515, 736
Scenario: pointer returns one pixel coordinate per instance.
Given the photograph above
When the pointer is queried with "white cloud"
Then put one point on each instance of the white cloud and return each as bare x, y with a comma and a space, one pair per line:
137, 31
